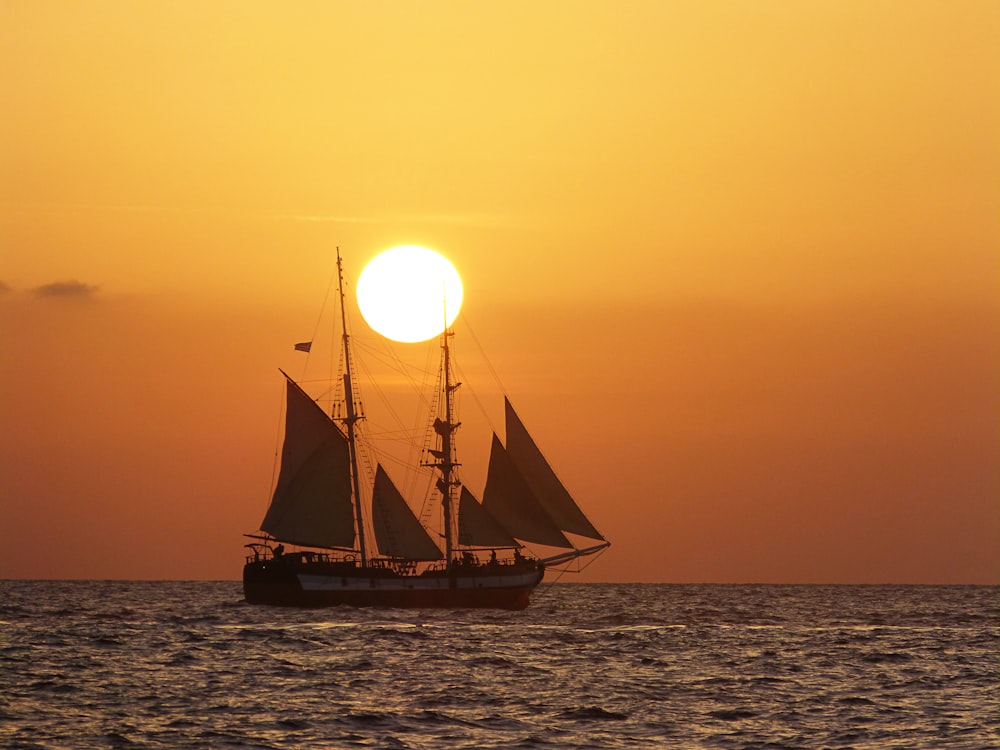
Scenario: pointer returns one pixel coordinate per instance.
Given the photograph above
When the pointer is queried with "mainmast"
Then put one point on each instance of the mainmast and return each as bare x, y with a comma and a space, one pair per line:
351, 419
446, 463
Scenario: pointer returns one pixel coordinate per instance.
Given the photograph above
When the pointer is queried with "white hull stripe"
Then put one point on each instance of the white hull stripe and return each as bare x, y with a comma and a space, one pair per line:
338, 583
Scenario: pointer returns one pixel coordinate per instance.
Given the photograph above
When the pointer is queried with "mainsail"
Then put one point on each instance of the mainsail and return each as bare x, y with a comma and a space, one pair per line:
312, 504
397, 531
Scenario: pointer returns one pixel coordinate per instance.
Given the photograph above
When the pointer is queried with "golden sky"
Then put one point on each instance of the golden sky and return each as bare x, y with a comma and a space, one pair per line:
737, 264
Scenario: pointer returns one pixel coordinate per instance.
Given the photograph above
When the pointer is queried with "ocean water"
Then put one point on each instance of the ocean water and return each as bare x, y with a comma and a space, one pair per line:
189, 665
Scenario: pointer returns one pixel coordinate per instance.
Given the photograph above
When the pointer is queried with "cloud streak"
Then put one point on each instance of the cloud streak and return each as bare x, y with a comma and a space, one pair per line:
458, 219
482, 220
66, 290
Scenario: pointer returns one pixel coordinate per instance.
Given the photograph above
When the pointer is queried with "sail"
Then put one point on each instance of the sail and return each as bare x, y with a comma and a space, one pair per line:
545, 485
510, 501
397, 530
477, 528
312, 503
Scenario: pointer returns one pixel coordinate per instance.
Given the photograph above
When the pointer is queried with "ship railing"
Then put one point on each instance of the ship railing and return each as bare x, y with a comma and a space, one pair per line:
263, 551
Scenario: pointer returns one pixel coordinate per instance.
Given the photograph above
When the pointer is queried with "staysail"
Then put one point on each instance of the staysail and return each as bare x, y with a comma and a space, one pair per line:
397, 531
542, 480
477, 528
510, 501
524, 494
312, 503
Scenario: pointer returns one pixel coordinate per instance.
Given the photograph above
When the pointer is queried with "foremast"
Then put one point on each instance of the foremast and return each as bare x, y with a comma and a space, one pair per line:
350, 421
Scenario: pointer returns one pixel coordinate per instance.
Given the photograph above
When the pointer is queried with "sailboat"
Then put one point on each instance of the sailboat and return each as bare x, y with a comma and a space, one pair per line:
359, 543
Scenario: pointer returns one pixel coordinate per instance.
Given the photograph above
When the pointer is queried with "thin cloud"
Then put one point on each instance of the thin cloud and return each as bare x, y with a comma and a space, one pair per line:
458, 219
481, 220
66, 290
330, 219
77, 208
4, 287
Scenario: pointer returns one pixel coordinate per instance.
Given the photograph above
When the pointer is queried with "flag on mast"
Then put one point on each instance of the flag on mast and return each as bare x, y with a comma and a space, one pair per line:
305, 346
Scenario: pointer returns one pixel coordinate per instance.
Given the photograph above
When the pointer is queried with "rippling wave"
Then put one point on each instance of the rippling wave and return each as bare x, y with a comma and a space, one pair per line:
181, 665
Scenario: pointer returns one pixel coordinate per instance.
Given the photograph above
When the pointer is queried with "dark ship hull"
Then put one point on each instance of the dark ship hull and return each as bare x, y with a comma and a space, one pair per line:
298, 581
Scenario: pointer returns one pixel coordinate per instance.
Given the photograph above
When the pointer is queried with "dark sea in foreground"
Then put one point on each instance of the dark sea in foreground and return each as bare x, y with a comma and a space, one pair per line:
189, 665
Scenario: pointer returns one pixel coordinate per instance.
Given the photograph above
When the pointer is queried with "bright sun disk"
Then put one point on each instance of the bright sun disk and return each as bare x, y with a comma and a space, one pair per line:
409, 293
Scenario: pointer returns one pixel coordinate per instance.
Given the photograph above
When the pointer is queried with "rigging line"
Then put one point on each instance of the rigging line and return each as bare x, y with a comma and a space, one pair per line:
336, 397
431, 403
593, 559
391, 359
277, 445
493, 372
433, 412
580, 567
402, 430
579, 561
403, 437
319, 320
373, 383
427, 507
348, 325
547, 586
387, 459
482, 352
367, 447
466, 383
388, 356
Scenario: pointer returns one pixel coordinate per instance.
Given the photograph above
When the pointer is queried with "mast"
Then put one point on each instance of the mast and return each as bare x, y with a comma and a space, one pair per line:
351, 419
446, 463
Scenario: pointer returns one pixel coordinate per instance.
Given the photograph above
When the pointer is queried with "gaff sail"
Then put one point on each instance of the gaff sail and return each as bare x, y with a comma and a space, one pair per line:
311, 505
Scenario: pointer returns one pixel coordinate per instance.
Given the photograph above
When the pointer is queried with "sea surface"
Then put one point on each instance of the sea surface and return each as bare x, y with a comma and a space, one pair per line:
87, 664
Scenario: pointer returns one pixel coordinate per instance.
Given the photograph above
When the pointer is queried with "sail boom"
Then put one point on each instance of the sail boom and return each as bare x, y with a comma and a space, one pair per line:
272, 538
567, 556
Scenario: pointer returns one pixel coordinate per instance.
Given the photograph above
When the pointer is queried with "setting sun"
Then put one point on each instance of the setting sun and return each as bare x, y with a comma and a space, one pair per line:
409, 293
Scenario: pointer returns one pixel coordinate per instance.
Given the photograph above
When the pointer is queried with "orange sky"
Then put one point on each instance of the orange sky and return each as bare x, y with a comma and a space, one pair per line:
737, 265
